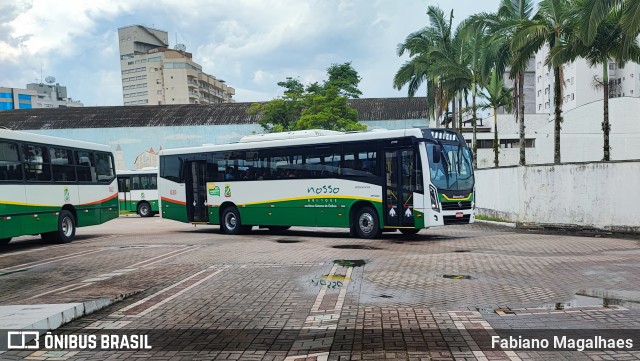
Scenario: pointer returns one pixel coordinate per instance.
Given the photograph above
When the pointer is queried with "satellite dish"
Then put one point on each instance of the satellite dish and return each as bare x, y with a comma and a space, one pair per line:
180, 47
50, 79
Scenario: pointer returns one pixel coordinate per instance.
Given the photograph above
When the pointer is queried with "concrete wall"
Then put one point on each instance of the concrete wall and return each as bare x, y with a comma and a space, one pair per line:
594, 195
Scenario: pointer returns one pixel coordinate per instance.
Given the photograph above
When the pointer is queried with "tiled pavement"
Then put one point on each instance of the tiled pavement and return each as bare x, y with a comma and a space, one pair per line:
435, 296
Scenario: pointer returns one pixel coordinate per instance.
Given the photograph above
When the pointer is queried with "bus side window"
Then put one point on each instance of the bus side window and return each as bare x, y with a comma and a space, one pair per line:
9, 162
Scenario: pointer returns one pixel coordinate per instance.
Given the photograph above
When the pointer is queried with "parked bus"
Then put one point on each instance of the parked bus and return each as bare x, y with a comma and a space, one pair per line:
50, 186
138, 191
374, 181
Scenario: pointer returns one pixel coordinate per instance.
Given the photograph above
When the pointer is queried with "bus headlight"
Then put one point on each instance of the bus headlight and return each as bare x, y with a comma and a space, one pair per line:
434, 198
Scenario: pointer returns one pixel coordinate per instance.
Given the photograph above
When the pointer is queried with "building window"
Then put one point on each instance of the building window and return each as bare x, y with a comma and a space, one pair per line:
572, 96
612, 66
539, 106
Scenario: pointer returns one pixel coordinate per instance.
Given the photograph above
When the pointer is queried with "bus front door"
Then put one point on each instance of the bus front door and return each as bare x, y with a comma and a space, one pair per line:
197, 192
400, 183
124, 193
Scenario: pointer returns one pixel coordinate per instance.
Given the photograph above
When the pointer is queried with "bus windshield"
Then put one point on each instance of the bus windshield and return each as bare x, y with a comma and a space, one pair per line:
455, 170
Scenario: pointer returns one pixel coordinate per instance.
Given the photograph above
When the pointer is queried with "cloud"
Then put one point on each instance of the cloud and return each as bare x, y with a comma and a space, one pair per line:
251, 45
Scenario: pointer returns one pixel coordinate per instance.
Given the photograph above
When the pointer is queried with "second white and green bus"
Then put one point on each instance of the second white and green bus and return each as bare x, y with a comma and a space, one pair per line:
369, 182
50, 186
138, 191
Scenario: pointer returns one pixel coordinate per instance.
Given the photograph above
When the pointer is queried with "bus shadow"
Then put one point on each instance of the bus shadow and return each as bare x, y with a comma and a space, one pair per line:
30, 242
393, 237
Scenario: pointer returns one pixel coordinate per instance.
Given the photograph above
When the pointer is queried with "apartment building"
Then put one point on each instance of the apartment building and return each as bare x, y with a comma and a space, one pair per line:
15, 98
52, 96
582, 83
154, 74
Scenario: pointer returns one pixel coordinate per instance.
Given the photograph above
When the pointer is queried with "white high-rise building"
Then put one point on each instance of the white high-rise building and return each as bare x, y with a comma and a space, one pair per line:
581, 83
153, 74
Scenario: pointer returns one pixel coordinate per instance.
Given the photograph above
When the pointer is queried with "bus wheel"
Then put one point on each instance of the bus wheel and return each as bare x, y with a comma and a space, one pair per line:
409, 231
66, 229
144, 210
367, 225
231, 221
4, 241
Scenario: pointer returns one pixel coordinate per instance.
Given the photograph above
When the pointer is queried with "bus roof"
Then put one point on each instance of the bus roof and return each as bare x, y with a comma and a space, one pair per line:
47, 139
289, 139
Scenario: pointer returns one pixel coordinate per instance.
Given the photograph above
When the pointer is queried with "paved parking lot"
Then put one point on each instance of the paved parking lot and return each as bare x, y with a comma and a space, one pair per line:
317, 294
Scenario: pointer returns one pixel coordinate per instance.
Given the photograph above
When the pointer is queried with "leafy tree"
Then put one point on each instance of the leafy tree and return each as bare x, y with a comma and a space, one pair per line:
496, 96
548, 26
420, 46
502, 26
314, 106
609, 42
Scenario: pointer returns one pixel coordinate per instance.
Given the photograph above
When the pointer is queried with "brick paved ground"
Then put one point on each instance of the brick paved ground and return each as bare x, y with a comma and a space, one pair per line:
438, 295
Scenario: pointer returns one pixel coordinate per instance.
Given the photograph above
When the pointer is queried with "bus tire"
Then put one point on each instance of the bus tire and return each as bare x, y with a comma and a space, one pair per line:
409, 231
144, 210
230, 221
4, 241
66, 229
366, 222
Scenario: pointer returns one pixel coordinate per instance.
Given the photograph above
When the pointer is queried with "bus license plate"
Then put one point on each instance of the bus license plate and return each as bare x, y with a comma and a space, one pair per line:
458, 214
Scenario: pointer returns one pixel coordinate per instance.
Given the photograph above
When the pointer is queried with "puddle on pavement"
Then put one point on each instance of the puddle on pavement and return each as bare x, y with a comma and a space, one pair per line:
354, 246
350, 262
457, 277
462, 250
581, 300
384, 296
288, 241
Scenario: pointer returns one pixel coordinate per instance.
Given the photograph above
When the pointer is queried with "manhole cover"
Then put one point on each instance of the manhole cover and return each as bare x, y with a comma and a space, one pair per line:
350, 262
354, 246
457, 277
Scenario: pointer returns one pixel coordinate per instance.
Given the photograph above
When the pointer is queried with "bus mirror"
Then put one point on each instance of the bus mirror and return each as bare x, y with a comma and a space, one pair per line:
435, 156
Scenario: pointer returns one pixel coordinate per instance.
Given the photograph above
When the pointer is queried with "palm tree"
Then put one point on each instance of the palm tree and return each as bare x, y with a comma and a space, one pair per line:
502, 26
610, 42
420, 45
594, 12
547, 27
496, 96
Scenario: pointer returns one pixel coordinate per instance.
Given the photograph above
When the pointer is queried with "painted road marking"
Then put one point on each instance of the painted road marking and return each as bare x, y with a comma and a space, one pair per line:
160, 258
50, 260
150, 303
47, 248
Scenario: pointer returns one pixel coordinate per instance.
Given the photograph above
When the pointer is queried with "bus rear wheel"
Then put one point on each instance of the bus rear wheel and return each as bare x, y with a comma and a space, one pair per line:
230, 221
66, 229
144, 210
4, 241
366, 223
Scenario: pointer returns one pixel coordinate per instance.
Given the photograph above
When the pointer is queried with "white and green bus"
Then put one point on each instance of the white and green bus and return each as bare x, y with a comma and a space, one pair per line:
138, 191
369, 182
50, 186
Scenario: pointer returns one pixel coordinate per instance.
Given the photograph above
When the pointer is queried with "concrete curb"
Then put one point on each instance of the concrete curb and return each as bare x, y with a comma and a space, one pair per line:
47, 317
501, 224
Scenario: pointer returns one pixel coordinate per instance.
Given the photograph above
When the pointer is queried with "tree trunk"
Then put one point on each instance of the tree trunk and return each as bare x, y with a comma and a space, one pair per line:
557, 98
496, 146
606, 127
475, 141
523, 158
460, 111
453, 114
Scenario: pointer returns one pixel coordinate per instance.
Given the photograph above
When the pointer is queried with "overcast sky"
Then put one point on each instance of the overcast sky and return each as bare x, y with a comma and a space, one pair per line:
251, 45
